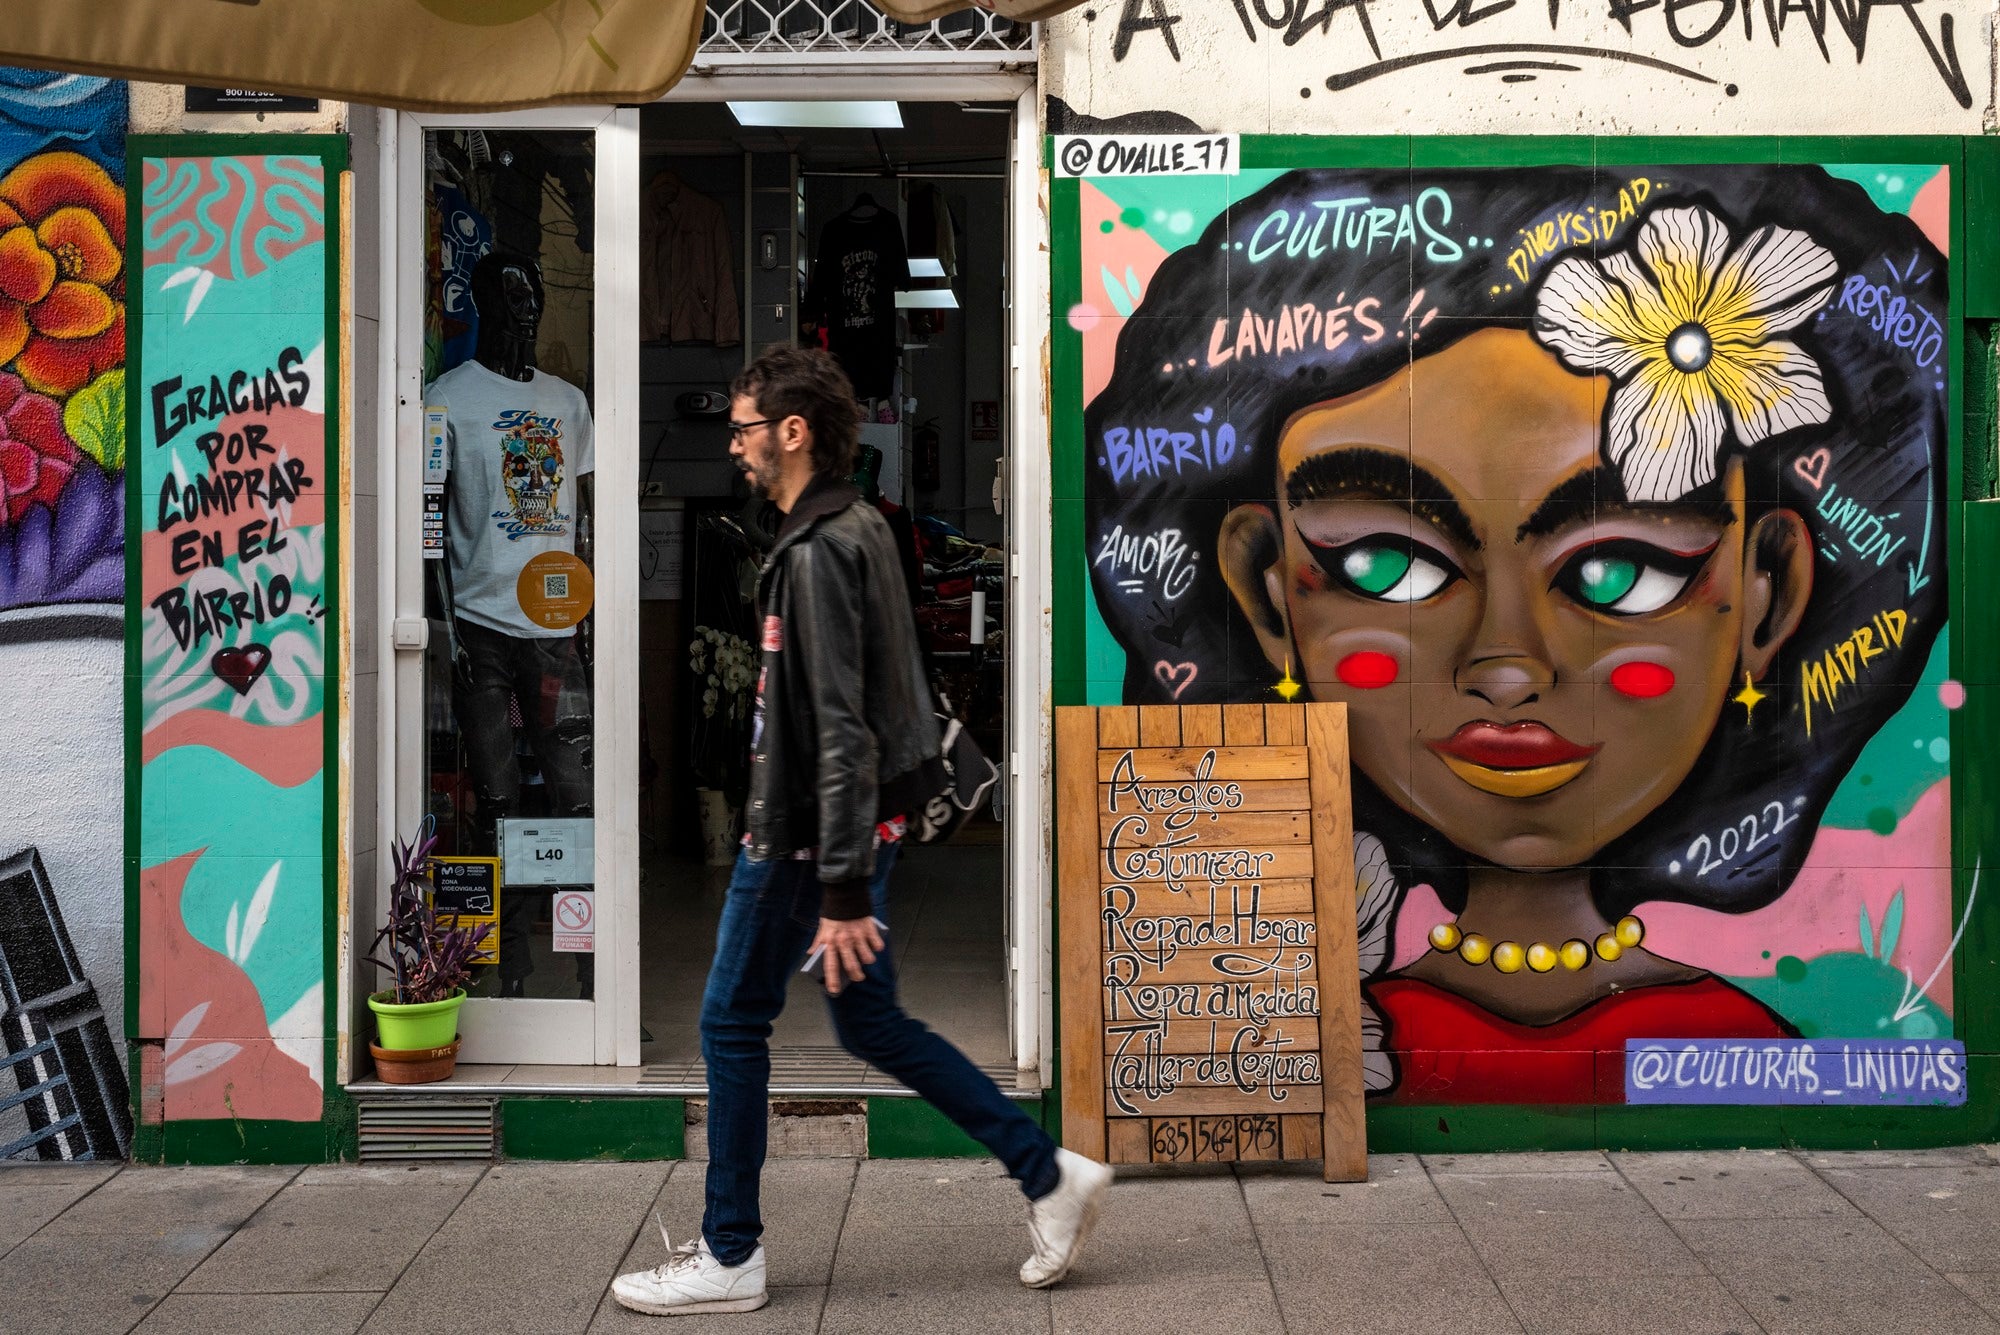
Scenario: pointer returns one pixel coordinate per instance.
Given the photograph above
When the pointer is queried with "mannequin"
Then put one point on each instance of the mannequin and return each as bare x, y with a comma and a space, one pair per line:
519, 450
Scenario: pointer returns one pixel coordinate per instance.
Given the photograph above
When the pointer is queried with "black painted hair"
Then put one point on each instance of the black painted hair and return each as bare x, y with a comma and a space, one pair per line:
1464, 248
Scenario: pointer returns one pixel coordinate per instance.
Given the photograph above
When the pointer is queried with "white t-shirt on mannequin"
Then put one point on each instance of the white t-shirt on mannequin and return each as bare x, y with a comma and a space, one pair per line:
515, 451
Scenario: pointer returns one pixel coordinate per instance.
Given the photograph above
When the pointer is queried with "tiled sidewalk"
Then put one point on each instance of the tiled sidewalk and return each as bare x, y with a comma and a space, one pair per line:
1622, 1243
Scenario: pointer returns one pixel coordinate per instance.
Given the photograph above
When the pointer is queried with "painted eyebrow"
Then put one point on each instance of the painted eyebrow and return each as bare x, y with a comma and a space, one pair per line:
1601, 489
1362, 473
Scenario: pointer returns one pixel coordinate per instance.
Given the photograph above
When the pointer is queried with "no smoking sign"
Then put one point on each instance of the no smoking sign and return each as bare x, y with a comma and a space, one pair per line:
576, 921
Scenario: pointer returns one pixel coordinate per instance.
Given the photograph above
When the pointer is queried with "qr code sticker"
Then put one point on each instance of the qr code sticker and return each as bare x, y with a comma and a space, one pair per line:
555, 586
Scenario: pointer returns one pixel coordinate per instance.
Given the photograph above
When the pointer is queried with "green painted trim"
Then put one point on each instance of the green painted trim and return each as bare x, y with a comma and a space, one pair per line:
1070, 586
332, 152
913, 1129
575, 1129
258, 1142
134, 606
1491, 1128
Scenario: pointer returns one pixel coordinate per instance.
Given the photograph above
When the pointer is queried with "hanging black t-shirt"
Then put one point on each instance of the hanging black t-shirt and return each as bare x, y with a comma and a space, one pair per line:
861, 265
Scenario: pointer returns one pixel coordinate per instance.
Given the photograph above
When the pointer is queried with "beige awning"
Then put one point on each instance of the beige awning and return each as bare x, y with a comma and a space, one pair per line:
458, 55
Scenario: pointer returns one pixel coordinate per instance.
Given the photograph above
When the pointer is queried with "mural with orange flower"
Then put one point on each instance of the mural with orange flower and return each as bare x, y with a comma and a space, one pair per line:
62, 569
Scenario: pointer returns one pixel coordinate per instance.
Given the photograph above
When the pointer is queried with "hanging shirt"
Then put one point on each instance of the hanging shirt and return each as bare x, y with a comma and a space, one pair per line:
861, 264
687, 268
464, 235
514, 450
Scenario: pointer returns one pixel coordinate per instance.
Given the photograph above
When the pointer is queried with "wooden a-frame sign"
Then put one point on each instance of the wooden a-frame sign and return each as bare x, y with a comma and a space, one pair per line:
1211, 1002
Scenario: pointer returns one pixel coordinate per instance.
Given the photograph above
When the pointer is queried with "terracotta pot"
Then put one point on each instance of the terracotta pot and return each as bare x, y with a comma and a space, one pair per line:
419, 1066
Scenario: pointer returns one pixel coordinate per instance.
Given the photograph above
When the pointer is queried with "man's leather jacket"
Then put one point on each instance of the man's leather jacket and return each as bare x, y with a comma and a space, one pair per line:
846, 736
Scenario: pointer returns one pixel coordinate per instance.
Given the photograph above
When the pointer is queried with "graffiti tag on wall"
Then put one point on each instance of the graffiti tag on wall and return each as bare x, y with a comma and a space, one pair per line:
1615, 524
1466, 66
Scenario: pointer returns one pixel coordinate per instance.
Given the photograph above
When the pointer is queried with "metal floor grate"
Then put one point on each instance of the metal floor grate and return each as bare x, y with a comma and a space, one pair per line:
810, 1068
424, 1129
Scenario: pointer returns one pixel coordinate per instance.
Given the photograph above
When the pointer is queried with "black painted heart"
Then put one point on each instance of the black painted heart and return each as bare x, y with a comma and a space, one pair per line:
241, 667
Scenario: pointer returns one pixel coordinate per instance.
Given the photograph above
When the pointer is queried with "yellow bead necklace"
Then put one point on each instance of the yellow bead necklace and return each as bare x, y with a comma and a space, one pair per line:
1510, 956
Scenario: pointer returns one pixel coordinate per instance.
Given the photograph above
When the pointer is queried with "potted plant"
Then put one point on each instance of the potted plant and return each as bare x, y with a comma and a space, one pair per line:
725, 671
417, 1019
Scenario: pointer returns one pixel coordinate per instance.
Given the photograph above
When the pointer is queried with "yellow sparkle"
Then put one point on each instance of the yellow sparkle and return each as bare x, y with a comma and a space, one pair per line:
1748, 697
1288, 688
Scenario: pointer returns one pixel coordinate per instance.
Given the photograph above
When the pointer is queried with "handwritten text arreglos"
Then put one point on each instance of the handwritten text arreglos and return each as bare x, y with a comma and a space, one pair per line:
1823, 678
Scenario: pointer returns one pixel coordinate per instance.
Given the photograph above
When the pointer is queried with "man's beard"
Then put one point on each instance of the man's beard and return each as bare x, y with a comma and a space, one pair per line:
762, 477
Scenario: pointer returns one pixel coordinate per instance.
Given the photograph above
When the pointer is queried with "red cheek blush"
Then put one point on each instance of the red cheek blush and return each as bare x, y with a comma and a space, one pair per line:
1642, 681
1367, 670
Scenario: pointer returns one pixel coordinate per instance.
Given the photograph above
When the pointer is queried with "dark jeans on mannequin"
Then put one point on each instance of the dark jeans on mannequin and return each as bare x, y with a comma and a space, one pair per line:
548, 679
768, 923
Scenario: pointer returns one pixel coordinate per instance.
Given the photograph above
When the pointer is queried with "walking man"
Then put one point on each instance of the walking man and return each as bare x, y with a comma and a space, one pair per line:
845, 745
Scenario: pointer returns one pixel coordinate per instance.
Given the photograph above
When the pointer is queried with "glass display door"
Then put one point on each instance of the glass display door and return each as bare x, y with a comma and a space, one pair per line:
517, 567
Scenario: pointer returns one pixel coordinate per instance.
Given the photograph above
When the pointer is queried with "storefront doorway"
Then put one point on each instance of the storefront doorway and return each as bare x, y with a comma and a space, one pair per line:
572, 671
889, 245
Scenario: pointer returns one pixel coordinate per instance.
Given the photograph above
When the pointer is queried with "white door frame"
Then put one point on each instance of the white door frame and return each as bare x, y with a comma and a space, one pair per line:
532, 1030
610, 1030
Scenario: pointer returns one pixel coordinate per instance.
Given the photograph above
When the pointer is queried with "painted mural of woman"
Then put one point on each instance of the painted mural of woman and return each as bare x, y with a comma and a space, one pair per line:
1546, 518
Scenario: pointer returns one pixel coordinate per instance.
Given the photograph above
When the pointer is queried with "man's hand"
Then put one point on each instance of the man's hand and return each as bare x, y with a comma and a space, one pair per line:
850, 947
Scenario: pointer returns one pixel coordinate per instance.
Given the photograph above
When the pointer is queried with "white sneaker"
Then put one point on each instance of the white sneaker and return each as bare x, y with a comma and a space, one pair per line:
692, 1280
1061, 1220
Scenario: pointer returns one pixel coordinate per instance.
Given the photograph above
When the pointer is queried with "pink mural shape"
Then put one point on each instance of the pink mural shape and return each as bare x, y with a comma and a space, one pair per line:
218, 1059
1846, 871
265, 209
1128, 253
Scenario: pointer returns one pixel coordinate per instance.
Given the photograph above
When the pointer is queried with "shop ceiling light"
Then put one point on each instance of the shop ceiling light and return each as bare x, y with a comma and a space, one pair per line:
819, 115
927, 299
926, 268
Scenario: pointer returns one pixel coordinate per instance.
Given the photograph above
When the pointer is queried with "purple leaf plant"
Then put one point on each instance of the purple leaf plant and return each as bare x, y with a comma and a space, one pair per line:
429, 960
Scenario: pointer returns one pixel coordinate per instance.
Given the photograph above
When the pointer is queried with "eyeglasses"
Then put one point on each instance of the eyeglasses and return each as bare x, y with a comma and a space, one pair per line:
736, 429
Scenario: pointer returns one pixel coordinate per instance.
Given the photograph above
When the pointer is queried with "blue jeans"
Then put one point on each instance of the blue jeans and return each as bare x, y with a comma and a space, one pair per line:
767, 926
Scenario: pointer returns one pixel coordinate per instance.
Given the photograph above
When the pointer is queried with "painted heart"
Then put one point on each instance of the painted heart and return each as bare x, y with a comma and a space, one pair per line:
1205, 416
1812, 467
1176, 676
241, 667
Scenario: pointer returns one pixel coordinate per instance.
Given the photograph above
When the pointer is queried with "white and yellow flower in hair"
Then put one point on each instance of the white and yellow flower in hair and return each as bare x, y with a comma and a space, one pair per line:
1687, 330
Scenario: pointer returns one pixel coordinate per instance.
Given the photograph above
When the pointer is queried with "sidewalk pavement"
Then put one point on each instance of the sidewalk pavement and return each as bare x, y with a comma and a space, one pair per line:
1565, 1242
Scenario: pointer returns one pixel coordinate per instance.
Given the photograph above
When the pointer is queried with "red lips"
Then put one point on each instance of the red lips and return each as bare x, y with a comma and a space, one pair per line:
1526, 745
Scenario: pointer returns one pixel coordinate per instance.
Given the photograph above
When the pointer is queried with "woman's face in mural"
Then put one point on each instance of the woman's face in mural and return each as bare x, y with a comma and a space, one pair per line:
1530, 663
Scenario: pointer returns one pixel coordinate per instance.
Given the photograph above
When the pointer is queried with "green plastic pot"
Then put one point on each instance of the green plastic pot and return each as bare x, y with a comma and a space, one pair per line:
429, 1024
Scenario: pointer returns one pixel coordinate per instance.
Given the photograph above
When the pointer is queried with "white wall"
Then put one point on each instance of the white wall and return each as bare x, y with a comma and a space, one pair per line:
62, 766
1487, 66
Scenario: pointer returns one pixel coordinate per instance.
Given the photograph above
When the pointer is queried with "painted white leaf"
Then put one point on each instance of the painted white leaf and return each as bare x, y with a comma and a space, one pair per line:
260, 911
229, 935
202, 280
208, 1057
183, 1030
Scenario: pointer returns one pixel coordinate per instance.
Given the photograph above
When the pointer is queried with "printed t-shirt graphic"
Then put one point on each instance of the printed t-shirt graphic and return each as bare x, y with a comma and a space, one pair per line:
861, 264
514, 450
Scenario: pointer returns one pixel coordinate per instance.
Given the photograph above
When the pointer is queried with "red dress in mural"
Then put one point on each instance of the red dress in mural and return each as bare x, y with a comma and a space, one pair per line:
1450, 1050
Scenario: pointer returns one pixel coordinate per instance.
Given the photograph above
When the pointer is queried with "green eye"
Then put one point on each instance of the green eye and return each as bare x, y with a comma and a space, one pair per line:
1626, 577
1387, 567
1374, 570
1605, 579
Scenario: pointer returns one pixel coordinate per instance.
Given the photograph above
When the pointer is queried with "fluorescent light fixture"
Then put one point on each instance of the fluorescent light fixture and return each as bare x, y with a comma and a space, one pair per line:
927, 299
926, 268
819, 115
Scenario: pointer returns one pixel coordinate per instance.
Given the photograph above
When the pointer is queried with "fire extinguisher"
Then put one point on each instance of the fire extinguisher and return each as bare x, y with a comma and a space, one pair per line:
929, 464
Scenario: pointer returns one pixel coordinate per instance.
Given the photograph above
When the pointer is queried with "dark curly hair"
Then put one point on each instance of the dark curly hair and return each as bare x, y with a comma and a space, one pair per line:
1469, 241
808, 383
